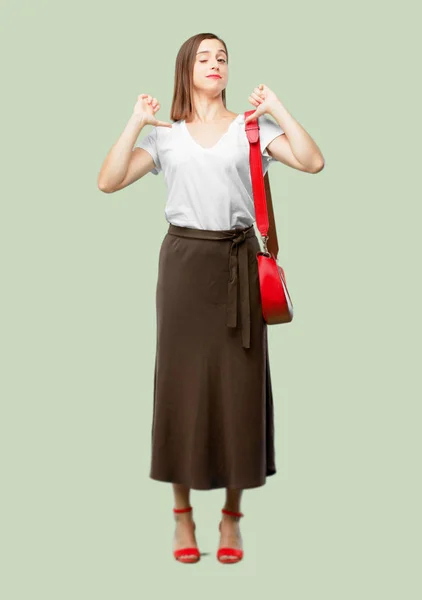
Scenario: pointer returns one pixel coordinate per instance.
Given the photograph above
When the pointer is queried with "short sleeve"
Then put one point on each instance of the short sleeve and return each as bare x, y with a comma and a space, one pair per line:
150, 144
268, 130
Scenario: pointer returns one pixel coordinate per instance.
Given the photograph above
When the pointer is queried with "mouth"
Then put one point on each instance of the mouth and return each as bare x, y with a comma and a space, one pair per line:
214, 76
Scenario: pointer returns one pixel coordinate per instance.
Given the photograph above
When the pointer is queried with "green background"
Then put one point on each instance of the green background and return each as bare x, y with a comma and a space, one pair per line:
80, 517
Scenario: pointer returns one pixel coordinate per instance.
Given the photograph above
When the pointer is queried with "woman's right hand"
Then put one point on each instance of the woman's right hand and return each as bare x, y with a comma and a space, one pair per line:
145, 108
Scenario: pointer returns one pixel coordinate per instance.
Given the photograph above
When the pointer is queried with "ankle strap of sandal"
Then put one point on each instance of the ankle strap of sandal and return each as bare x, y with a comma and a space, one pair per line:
232, 513
182, 510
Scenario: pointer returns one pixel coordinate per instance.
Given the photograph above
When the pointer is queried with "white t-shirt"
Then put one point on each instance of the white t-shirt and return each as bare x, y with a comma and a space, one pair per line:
208, 188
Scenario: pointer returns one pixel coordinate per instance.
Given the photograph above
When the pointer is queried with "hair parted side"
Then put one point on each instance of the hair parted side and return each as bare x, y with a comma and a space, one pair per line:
182, 104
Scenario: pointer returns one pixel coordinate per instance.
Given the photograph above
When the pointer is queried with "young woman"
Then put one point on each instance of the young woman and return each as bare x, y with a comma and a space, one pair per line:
213, 407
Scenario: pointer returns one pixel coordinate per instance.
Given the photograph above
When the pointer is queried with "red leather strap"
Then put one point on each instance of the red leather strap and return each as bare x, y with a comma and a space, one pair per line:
182, 510
186, 552
228, 551
231, 512
258, 188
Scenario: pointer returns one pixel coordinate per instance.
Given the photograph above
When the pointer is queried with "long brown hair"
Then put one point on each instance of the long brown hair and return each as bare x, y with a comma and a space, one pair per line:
182, 104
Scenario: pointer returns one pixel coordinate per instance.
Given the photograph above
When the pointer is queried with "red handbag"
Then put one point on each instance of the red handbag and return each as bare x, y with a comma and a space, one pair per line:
277, 306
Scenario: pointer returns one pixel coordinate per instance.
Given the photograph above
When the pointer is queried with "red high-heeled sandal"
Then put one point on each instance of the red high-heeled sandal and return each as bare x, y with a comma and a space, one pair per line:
186, 555
235, 554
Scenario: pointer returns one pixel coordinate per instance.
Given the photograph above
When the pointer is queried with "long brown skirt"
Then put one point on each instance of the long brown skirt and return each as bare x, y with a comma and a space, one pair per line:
213, 422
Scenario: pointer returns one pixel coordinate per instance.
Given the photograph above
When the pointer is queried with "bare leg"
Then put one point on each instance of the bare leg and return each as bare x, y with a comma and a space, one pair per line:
233, 498
230, 531
184, 535
181, 496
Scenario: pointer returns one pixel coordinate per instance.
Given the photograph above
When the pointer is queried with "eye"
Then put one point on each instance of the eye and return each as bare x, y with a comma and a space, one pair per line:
202, 61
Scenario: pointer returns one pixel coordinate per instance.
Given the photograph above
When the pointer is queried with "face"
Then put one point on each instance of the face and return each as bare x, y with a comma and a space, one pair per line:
211, 58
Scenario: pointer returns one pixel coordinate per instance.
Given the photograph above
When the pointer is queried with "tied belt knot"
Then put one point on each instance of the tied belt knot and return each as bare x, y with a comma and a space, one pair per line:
238, 271
239, 274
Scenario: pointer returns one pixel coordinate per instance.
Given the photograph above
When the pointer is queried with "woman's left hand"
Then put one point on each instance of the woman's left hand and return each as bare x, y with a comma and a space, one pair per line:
264, 100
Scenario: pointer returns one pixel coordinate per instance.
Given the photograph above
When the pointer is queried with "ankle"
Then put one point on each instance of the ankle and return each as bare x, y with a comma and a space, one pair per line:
235, 510
184, 518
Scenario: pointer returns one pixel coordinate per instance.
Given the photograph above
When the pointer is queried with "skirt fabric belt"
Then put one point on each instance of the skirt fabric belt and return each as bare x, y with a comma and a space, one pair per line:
238, 270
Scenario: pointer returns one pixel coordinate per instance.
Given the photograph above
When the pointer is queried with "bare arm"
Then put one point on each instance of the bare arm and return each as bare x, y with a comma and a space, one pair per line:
121, 159
296, 148
125, 164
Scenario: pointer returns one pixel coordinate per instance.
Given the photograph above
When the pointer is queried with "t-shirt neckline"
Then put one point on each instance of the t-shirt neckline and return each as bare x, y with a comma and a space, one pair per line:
218, 142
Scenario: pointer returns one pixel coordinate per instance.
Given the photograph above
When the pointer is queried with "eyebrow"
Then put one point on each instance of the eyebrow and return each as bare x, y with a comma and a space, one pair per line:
206, 51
